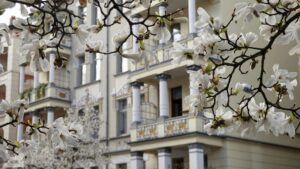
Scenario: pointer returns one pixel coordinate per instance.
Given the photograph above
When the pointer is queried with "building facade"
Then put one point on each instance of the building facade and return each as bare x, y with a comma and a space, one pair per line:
147, 123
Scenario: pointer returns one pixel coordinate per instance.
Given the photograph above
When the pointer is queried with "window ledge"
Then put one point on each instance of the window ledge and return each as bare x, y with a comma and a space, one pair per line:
87, 84
122, 73
120, 137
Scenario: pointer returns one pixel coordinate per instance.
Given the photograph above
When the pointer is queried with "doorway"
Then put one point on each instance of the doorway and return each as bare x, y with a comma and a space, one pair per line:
176, 101
178, 163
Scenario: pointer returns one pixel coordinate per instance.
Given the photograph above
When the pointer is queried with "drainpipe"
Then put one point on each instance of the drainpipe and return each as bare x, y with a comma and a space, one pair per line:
107, 88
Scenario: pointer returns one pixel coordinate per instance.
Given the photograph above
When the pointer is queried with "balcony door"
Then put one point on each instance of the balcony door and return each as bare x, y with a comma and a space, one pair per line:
176, 101
178, 163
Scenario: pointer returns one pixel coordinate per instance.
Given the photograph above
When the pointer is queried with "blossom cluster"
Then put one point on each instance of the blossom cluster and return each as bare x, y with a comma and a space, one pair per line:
226, 53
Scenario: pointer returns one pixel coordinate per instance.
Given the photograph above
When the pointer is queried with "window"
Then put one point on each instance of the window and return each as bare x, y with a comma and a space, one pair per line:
121, 166
94, 15
2, 92
178, 163
176, 96
3, 60
96, 67
119, 2
122, 117
82, 12
81, 113
94, 120
122, 65
81, 71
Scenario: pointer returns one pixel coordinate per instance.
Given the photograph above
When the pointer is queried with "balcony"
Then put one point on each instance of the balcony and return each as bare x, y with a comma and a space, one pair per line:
171, 127
60, 91
148, 112
164, 65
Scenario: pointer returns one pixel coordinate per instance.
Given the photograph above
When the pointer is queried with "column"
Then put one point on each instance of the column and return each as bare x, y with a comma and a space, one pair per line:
137, 161
135, 31
21, 90
36, 82
35, 118
50, 116
52, 57
162, 9
192, 16
196, 156
136, 102
163, 95
164, 158
196, 102
20, 132
22, 79
193, 76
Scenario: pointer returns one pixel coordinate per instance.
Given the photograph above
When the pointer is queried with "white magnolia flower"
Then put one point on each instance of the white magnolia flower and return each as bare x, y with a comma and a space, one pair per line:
119, 39
96, 28
270, 18
277, 123
247, 40
21, 104
82, 34
281, 76
20, 23
290, 88
203, 21
161, 32
287, 126
247, 11
94, 43
4, 33
208, 45
220, 123
296, 35
207, 24
291, 33
267, 31
23, 10
34, 50
257, 111
180, 53
267, 124
283, 80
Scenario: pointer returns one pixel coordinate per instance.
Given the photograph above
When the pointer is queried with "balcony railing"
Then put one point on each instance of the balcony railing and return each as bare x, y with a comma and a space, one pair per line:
149, 112
170, 127
60, 90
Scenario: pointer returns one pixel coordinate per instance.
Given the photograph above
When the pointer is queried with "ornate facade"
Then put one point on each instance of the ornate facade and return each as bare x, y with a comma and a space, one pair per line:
147, 122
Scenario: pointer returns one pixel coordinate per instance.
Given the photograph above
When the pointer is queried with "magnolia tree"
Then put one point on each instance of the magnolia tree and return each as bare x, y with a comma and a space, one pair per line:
72, 142
226, 55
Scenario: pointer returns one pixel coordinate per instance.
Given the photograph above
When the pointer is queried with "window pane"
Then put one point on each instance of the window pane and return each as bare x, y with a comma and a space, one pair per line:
98, 67
83, 77
122, 117
124, 64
